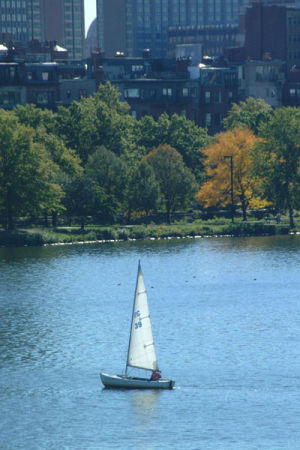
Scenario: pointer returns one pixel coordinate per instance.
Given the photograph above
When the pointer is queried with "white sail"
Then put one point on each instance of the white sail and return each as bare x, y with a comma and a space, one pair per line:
141, 351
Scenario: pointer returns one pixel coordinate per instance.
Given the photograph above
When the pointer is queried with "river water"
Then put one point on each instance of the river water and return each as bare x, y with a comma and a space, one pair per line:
225, 316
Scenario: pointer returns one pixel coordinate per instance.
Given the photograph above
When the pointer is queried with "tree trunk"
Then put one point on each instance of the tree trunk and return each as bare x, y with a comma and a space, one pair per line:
10, 222
244, 207
128, 215
290, 208
82, 224
54, 219
291, 216
46, 223
168, 213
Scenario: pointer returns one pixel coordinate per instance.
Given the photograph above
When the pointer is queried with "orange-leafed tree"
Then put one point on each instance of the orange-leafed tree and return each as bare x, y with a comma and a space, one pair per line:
216, 191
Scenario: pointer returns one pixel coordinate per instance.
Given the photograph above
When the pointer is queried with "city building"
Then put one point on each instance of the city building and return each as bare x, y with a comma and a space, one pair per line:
130, 26
272, 32
262, 79
44, 20
153, 86
22, 19
91, 42
63, 21
276, 2
213, 38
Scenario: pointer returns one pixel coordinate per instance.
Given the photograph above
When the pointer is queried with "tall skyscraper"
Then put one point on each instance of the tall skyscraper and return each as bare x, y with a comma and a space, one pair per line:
63, 21
275, 2
45, 20
133, 25
21, 19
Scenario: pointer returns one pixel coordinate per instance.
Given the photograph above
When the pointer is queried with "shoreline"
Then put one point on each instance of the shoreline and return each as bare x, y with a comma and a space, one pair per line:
99, 235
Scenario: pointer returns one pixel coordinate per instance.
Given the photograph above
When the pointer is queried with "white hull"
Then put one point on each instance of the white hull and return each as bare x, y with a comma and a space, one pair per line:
121, 381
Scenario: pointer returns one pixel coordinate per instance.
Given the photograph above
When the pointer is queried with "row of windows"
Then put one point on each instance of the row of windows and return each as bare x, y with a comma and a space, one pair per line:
14, 17
9, 99
294, 20
45, 76
14, 4
295, 55
8, 74
165, 92
294, 93
210, 97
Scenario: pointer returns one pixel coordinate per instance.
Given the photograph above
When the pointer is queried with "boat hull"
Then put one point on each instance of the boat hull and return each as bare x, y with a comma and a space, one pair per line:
124, 382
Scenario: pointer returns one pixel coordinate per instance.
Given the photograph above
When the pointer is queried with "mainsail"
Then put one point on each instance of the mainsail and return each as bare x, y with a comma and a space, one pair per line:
141, 350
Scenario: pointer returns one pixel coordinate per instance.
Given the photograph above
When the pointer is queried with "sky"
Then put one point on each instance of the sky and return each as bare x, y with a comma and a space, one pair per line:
90, 12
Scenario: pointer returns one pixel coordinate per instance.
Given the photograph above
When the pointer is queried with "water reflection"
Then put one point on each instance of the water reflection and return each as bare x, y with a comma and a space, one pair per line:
225, 313
144, 403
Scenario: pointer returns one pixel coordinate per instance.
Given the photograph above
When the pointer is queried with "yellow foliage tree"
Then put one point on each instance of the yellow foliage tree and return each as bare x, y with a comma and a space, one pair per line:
216, 191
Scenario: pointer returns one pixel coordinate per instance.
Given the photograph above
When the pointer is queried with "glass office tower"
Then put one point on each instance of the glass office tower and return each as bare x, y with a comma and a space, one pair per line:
143, 23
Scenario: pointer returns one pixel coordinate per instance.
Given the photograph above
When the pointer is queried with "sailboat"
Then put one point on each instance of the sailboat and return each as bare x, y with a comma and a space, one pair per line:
141, 350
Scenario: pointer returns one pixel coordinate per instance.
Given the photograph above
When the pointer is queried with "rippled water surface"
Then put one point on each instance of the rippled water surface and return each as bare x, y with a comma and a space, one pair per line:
226, 319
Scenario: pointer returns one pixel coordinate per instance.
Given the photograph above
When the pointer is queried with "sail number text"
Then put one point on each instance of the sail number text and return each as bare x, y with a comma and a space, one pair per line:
137, 324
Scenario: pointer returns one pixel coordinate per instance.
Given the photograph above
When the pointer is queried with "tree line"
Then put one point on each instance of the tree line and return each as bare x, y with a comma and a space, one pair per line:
94, 159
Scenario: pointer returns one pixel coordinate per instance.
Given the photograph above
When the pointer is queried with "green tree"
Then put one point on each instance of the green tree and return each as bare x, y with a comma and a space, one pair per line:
34, 117
176, 182
178, 132
25, 172
85, 198
108, 171
65, 166
101, 120
143, 189
277, 160
249, 114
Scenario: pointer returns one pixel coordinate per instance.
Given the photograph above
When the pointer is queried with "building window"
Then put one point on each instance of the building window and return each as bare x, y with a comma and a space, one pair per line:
208, 119
42, 98
293, 93
32, 75
218, 97
193, 92
137, 68
82, 93
185, 92
207, 97
167, 92
133, 113
132, 93
9, 98
218, 120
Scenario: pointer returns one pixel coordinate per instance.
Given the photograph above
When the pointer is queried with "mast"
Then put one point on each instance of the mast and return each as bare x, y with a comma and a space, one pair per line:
136, 285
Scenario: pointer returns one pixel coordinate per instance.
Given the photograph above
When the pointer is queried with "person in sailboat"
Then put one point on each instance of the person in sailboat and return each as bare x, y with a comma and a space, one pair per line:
156, 375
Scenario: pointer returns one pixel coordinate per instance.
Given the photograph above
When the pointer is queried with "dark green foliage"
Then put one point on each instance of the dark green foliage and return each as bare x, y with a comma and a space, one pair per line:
143, 189
176, 182
109, 172
178, 132
254, 229
277, 160
26, 185
249, 114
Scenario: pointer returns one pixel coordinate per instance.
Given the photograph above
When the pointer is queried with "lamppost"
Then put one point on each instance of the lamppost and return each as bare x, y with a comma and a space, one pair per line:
231, 186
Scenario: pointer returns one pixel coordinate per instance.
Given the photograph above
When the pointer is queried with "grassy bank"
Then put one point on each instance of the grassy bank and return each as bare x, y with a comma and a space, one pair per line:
44, 236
